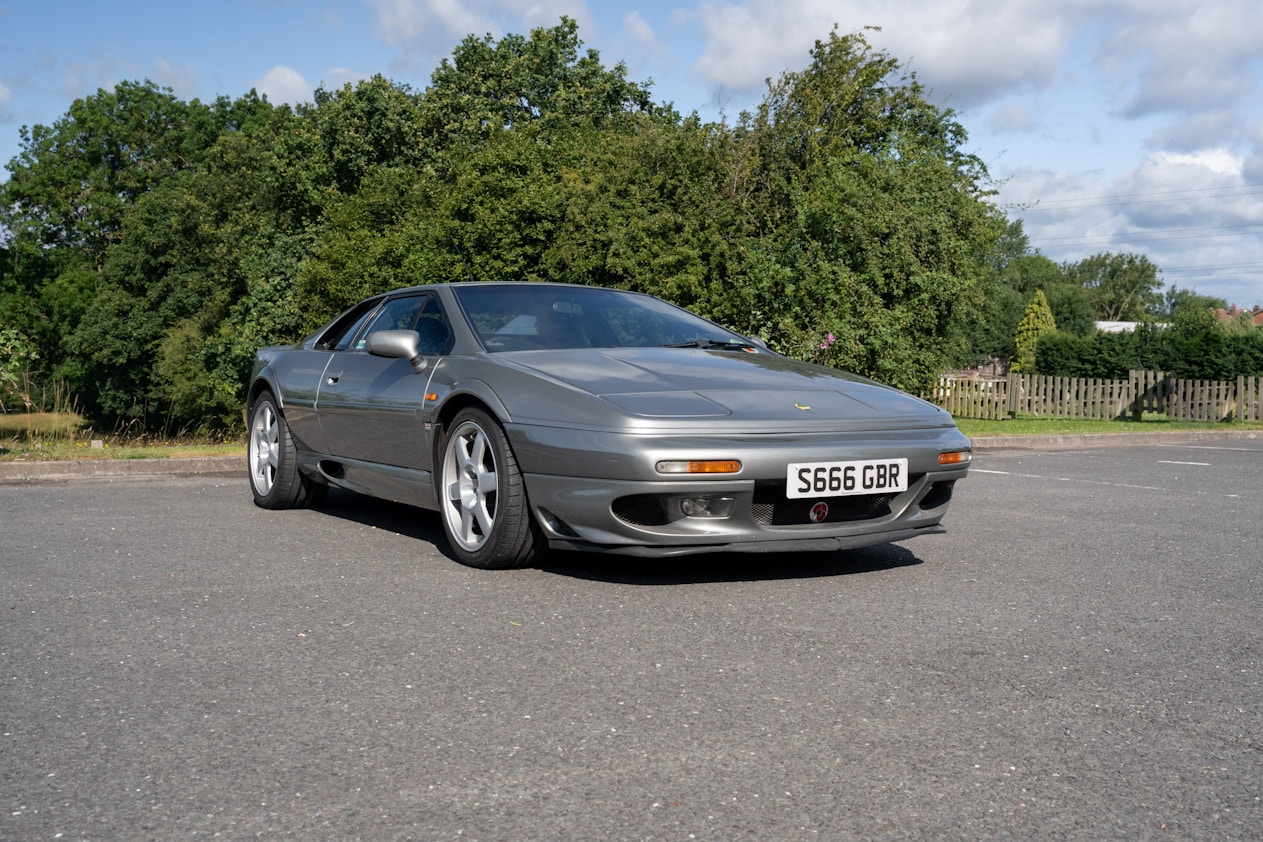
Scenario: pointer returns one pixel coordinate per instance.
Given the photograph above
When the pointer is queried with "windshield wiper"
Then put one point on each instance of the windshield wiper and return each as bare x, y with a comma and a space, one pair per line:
713, 344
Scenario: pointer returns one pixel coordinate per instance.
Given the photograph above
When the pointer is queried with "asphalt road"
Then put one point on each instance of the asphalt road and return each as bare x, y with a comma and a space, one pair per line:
1078, 658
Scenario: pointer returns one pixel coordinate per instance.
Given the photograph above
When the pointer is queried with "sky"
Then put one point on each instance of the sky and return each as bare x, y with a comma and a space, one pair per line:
1123, 126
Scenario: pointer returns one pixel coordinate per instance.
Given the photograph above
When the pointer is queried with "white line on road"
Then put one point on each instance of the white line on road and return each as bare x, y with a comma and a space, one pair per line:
1096, 482
1210, 447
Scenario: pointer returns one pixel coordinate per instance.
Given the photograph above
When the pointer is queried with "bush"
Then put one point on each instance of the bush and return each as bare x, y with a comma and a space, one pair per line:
16, 353
1196, 347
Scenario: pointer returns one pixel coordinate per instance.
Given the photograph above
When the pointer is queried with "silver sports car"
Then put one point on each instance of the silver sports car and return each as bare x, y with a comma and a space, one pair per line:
536, 416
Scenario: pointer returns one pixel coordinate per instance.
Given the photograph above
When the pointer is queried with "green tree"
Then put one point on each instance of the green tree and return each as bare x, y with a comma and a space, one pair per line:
153, 344
1008, 288
614, 207
488, 214
1175, 299
372, 123
151, 245
1037, 322
469, 184
1120, 287
867, 219
72, 182
1071, 309
71, 189
490, 86
641, 211
1015, 272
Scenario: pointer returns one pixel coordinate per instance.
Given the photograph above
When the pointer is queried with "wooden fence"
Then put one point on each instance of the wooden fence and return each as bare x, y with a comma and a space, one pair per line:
1067, 397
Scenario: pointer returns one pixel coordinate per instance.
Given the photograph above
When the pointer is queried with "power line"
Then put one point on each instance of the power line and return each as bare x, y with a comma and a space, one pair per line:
1166, 235
1080, 203
1214, 271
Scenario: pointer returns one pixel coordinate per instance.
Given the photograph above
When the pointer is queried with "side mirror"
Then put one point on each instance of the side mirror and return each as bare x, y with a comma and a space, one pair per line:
400, 344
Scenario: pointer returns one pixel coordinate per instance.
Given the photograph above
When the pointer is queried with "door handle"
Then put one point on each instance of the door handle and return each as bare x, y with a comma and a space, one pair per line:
333, 378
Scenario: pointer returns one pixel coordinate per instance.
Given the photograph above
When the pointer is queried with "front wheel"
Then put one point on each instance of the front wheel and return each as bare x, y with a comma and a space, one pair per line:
275, 479
483, 498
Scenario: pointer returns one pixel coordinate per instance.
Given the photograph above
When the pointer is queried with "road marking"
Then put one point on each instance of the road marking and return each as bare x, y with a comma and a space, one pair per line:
1210, 447
1099, 482
1172, 462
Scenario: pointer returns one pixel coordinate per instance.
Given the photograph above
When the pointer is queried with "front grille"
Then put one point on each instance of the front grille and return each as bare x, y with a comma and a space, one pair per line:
641, 510
772, 508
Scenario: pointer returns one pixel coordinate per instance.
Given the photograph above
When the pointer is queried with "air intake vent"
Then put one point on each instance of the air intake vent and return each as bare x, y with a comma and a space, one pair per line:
772, 508
640, 510
938, 495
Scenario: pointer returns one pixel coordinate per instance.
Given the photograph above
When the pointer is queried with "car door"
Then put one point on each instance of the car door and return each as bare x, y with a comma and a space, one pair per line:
371, 408
300, 372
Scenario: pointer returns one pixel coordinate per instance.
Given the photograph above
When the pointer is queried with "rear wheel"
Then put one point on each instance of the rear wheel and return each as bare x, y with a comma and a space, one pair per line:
275, 479
483, 498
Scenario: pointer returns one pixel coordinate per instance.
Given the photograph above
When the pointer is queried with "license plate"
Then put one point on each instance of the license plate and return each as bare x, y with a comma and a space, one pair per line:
839, 479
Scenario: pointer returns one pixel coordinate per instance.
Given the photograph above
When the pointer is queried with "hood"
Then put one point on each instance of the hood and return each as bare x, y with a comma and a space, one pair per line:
686, 383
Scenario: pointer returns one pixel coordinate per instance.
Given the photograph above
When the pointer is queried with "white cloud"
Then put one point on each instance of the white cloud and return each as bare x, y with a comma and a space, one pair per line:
1145, 116
1190, 131
426, 29
1013, 119
1184, 54
1144, 57
83, 78
970, 51
1195, 215
755, 40
966, 50
182, 80
640, 31
1220, 162
336, 77
406, 24
283, 84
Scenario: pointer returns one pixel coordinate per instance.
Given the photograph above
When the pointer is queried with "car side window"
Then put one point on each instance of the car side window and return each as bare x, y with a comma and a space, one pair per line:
396, 314
432, 327
421, 313
340, 335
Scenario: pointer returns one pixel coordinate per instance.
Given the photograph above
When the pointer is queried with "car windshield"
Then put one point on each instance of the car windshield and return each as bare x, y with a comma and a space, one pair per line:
518, 317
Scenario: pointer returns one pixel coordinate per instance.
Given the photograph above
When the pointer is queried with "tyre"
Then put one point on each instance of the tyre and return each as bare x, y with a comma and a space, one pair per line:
486, 515
275, 479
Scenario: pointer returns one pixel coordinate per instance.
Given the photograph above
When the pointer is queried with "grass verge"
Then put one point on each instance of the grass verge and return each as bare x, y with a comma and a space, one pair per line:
39, 425
112, 447
1083, 426
60, 436
64, 451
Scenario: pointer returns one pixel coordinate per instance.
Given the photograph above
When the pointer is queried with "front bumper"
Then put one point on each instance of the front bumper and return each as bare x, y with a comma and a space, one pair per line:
612, 499
595, 516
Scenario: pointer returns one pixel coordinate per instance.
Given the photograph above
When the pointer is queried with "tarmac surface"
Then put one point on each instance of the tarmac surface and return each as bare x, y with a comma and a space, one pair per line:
1078, 657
